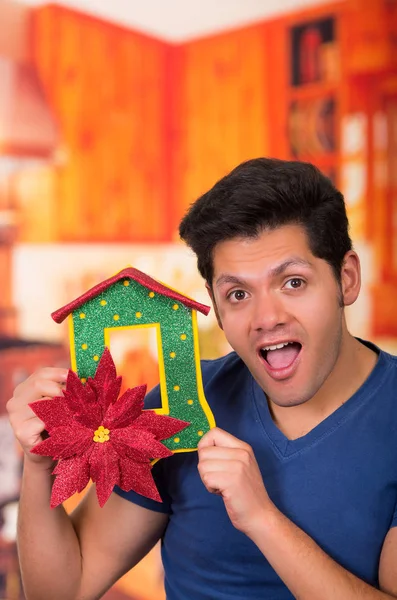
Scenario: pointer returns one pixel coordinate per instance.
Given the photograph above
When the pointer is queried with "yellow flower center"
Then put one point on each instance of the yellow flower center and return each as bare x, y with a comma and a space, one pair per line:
101, 435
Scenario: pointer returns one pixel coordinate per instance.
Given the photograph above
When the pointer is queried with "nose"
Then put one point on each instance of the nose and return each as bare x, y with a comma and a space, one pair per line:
268, 313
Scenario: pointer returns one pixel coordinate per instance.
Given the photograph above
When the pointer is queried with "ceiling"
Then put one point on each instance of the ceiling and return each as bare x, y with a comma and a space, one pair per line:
180, 20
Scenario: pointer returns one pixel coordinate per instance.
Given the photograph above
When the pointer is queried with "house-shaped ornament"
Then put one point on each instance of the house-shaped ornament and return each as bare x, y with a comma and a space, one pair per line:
131, 299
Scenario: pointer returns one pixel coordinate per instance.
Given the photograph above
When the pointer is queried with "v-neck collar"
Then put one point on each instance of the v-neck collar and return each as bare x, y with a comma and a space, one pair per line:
285, 447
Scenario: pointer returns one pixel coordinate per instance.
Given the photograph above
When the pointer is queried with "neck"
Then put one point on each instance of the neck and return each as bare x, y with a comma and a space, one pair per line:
353, 366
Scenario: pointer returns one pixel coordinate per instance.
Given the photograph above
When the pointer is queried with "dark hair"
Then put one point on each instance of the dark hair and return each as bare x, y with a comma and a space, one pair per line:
263, 194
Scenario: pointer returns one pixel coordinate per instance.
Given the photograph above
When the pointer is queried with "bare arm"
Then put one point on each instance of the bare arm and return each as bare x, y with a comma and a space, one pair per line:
228, 466
388, 564
307, 570
81, 556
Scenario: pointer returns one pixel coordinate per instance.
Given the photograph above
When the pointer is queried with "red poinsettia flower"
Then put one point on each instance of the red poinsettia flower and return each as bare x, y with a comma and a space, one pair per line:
96, 435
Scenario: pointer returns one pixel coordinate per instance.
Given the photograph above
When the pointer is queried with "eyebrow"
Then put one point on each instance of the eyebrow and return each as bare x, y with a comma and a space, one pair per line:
292, 262
224, 278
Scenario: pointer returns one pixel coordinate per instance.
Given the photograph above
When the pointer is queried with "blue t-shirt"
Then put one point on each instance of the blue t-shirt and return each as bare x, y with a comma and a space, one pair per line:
338, 483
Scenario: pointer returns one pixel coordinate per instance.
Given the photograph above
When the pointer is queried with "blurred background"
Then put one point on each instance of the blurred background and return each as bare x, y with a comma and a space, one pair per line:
115, 116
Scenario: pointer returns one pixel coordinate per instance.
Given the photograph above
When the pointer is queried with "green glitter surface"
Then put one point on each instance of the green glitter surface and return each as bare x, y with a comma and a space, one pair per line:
125, 301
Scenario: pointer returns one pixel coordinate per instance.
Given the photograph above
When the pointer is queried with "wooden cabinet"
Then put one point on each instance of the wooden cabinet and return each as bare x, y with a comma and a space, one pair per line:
373, 32
309, 86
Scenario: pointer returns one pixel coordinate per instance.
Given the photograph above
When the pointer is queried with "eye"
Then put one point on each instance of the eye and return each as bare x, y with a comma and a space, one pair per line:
294, 284
237, 296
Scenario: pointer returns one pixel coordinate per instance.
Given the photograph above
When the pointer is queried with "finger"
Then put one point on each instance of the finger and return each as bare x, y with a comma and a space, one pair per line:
37, 389
33, 430
29, 432
56, 374
23, 414
210, 453
231, 467
219, 437
216, 482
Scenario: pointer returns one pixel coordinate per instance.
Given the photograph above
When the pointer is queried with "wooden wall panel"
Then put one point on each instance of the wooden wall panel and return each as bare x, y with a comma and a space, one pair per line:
106, 85
219, 110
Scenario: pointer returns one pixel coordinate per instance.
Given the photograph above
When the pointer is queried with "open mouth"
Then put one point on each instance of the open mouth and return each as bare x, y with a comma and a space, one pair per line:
281, 356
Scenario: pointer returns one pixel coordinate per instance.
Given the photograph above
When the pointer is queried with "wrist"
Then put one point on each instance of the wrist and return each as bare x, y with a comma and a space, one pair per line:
265, 524
33, 464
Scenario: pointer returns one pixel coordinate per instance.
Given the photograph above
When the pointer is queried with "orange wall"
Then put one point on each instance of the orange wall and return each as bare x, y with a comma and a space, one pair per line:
101, 82
220, 109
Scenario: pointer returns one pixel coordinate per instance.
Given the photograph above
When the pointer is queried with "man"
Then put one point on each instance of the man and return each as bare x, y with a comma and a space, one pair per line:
294, 494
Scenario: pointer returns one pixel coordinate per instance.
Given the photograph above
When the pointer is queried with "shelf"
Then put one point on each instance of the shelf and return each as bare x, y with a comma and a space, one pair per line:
312, 91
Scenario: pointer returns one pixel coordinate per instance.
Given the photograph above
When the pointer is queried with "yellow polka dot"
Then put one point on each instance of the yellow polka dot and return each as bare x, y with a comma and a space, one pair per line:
116, 317
200, 433
126, 283
175, 306
103, 302
138, 315
172, 354
190, 402
176, 388
96, 357
84, 346
82, 315
83, 380
177, 440
151, 294
183, 336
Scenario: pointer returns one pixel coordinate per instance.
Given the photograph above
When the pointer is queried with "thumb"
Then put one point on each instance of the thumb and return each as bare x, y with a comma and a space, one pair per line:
219, 437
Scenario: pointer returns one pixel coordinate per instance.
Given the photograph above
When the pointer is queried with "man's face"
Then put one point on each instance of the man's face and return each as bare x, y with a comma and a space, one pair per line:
271, 291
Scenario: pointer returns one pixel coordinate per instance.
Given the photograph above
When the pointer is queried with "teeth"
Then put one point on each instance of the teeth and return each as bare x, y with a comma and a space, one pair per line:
277, 346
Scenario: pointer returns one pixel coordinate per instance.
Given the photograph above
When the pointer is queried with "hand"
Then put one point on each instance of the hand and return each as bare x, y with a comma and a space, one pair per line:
227, 466
28, 429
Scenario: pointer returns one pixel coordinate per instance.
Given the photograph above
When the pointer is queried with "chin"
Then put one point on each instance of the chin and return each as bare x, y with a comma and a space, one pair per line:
287, 394
288, 402
293, 394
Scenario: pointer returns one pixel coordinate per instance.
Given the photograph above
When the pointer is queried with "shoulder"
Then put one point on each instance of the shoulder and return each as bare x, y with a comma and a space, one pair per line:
387, 376
381, 386
391, 360
387, 363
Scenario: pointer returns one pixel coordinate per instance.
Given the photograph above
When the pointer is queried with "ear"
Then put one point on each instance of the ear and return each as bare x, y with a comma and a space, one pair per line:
350, 278
211, 295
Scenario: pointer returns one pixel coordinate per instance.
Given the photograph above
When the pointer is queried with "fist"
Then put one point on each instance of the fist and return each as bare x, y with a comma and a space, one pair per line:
227, 466
28, 428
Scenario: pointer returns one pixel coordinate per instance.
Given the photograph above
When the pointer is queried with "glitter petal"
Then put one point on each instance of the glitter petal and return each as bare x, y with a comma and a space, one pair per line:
81, 401
106, 383
140, 479
64, 442
53, 412
105, 470
72, 475
144, 441
161, 428
125, 451
126, 409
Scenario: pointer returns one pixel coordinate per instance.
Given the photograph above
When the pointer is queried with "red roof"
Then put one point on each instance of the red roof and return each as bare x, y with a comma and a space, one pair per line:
153, 285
